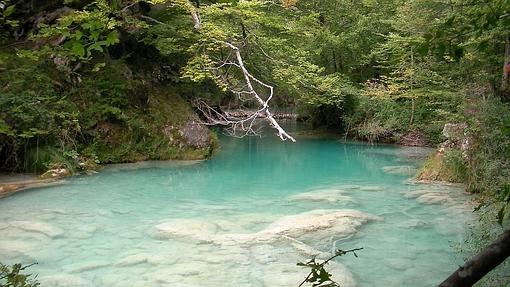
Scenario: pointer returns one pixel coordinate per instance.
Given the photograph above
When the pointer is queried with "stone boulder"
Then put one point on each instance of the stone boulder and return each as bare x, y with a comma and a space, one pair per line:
413, 138
195, 134
456, 137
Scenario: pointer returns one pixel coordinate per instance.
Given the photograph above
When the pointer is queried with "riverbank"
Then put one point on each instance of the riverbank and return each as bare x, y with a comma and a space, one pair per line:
11, 187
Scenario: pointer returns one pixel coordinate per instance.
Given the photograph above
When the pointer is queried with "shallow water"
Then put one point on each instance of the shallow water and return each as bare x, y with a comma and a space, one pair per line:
243, 218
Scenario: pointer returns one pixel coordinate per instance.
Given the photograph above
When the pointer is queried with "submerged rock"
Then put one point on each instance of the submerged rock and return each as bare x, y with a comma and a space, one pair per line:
434, 198
413, 223
340, 221
446, 195
350, 186
64, 280
399, 264
87, 266
371, 188
188, 228
16, 249
400, 169
328, 195
39, 227
144, 257
195, 134
321, 223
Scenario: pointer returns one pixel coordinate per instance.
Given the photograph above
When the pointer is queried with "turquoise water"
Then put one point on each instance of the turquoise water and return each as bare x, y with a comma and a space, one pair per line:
243, 218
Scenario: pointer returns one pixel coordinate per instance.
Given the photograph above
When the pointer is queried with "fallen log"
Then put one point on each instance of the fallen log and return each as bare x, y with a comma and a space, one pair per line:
477, 267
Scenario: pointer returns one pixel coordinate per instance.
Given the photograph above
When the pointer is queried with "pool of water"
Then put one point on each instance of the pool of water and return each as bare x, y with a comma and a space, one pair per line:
243, 218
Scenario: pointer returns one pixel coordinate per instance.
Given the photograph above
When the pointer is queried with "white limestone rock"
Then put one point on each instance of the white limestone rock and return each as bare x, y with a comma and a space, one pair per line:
64, 280
320, 223
400, 169
373, 188
185, 228
434, 198
134, 259
264, 254
87, 266
350, 186
16, 249
38, 227
328, 195
340, 221
413, 224
398, 264
418, 193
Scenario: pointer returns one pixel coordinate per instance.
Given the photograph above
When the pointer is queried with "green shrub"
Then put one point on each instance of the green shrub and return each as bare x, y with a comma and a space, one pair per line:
455, 163
489, 153
33, 112
11, 276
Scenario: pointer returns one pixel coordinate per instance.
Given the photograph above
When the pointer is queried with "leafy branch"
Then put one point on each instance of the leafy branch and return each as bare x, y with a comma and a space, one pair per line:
318, 275
12, 277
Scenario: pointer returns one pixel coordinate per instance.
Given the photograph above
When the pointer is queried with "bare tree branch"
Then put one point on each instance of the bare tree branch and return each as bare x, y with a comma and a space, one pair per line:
282, 134
478, 266
246, 125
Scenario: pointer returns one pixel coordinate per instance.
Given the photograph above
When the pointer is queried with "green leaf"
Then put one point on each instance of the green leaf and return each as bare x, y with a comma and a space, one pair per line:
94, 35
8, 11
78, 49
96, 46
112, 38
98, 67
78, 34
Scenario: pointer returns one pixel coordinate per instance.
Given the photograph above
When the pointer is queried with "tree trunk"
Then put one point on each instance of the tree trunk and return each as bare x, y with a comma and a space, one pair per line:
413, 108
475, 268
505, 92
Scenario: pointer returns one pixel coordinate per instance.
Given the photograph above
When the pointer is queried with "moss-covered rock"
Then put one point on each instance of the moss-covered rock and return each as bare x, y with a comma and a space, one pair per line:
445, 166
167, 128
434, 170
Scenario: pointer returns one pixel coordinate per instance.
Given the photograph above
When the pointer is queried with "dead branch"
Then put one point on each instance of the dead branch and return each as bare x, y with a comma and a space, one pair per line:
235, 126
282, 134
475, 268
246, 125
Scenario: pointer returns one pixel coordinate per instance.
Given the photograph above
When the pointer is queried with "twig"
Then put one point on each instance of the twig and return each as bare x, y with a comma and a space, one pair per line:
338, 253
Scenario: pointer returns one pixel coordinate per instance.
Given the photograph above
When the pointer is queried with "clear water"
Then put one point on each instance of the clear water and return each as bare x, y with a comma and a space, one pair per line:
102, 230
